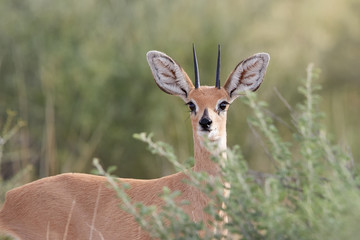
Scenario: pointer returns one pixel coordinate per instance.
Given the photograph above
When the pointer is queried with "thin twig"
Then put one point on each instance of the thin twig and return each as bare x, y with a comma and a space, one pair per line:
262, 143
279, 119
92, 227
283, 100
69, 220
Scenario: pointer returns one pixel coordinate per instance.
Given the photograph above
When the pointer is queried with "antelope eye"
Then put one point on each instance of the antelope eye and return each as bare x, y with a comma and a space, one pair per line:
191, 106
222, 105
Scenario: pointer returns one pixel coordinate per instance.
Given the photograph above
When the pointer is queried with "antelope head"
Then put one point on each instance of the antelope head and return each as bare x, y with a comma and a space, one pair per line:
208, 105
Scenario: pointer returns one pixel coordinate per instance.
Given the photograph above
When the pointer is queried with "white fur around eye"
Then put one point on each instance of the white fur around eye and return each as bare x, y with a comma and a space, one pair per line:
218, 109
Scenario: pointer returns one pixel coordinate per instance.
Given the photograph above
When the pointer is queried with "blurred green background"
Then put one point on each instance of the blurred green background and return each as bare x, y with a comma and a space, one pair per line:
76, 73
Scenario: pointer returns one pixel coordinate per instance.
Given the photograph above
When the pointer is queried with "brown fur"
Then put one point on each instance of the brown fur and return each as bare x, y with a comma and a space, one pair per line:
81, 206
42, 209
45, 207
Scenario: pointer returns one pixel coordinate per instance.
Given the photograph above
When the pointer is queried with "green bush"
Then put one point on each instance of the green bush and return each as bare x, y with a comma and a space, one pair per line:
8, 130
76, 72
312, 192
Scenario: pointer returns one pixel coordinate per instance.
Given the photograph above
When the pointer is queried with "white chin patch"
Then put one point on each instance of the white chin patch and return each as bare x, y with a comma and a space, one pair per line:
212, 135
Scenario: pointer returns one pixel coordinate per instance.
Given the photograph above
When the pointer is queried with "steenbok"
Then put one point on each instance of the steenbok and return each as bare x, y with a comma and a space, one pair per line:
81, 206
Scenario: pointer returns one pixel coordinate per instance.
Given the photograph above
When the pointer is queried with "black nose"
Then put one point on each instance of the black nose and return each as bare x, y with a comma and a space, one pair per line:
205, 123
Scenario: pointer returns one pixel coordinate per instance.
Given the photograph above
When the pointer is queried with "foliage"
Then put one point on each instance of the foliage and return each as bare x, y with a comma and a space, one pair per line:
76, 72
312, 193
7, 131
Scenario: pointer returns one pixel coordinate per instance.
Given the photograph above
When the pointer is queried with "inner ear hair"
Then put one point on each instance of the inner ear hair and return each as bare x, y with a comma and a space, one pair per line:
247, 75
168, 75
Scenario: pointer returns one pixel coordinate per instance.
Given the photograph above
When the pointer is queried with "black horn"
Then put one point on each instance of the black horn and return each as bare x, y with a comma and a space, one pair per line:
197, 78
217, 82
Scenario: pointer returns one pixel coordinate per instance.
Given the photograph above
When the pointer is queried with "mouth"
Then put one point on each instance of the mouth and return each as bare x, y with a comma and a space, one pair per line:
205, 130
211, 134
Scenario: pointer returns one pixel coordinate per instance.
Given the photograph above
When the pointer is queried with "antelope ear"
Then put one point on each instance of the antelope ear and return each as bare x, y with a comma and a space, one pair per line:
247, 75
168, 75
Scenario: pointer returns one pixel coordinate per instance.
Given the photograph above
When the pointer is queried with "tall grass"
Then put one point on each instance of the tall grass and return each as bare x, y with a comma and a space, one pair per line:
76, 72
8, 129
312, 192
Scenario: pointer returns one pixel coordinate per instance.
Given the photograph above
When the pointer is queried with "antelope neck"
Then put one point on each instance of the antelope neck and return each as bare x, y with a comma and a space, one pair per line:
203, 162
